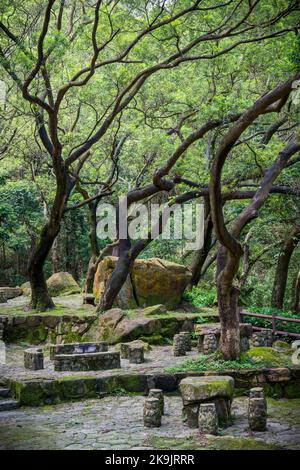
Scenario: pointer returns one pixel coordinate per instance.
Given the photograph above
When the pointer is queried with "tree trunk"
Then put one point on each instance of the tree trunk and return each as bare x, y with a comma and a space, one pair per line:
230, 322
281, 273
296, 300
118, 276
40, 297
93, 262
90, 275
201, 255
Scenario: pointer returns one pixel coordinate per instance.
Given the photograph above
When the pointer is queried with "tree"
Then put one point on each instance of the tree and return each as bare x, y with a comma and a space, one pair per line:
282, 268
227, 292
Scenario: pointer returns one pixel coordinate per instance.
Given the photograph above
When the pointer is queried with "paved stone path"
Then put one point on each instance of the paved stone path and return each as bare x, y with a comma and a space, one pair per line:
116, 423
156, 360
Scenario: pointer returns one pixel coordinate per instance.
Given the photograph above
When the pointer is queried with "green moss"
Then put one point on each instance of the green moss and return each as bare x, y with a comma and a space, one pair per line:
28, 393
292, 390
72, 337
29, 334
274, 391
209, 443
238, 443
267, 356
154, 339
213, 362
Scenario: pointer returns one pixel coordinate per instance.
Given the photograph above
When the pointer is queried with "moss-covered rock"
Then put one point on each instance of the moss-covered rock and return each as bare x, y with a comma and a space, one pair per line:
282, 346
154, 310
26, 289
62, 283
136, 343
267, 356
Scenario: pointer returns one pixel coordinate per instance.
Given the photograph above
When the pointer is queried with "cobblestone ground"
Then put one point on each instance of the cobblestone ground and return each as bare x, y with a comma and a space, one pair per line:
116, 423
156, 360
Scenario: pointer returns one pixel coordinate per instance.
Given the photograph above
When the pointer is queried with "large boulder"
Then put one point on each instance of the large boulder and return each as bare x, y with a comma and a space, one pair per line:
125, 299
26, 289
117, 326
61, 284
152, 281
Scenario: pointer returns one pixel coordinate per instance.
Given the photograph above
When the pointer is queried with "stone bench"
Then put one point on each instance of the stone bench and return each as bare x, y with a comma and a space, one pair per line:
77, 348
89, 361
211, 389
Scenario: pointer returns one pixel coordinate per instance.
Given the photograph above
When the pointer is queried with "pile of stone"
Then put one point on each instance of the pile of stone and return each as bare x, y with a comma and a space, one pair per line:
182, 343
257, 410
154, 408
263, 338
215, 391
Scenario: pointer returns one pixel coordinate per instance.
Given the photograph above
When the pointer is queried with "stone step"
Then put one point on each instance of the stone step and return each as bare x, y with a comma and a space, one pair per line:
4, 392
7, 405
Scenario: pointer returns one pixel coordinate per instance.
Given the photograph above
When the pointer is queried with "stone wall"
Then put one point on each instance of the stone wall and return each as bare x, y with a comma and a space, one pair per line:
277, 383
37, 329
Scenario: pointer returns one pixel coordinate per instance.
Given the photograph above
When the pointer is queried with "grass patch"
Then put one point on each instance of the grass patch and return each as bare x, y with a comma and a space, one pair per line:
215, 362
21, 310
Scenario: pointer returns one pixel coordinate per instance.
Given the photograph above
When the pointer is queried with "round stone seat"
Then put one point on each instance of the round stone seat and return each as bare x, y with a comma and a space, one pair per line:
211, 389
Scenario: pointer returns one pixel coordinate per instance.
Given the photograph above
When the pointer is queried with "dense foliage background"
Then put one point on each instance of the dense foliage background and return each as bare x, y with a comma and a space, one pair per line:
168, 107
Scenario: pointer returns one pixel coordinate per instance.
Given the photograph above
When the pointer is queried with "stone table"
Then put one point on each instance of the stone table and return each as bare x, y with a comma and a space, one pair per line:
211, 389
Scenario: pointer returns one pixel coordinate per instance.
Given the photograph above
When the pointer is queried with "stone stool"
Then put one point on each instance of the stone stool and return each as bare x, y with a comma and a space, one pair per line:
3, 298
34, 359
179, 344
210, 343
136, 355
158, 393
152, 413
257, 409
211, 389
263, 338
124, 350
208, 419
187, 339
244, 343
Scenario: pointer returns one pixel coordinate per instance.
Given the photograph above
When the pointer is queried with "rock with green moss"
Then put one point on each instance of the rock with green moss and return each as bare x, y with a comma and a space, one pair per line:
199, 389
154, 310
282, 346
134, 344
26, 289
152, 281
62, 283
266, 356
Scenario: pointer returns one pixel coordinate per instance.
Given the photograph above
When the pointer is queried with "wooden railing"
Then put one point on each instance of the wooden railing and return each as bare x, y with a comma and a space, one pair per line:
272, 319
